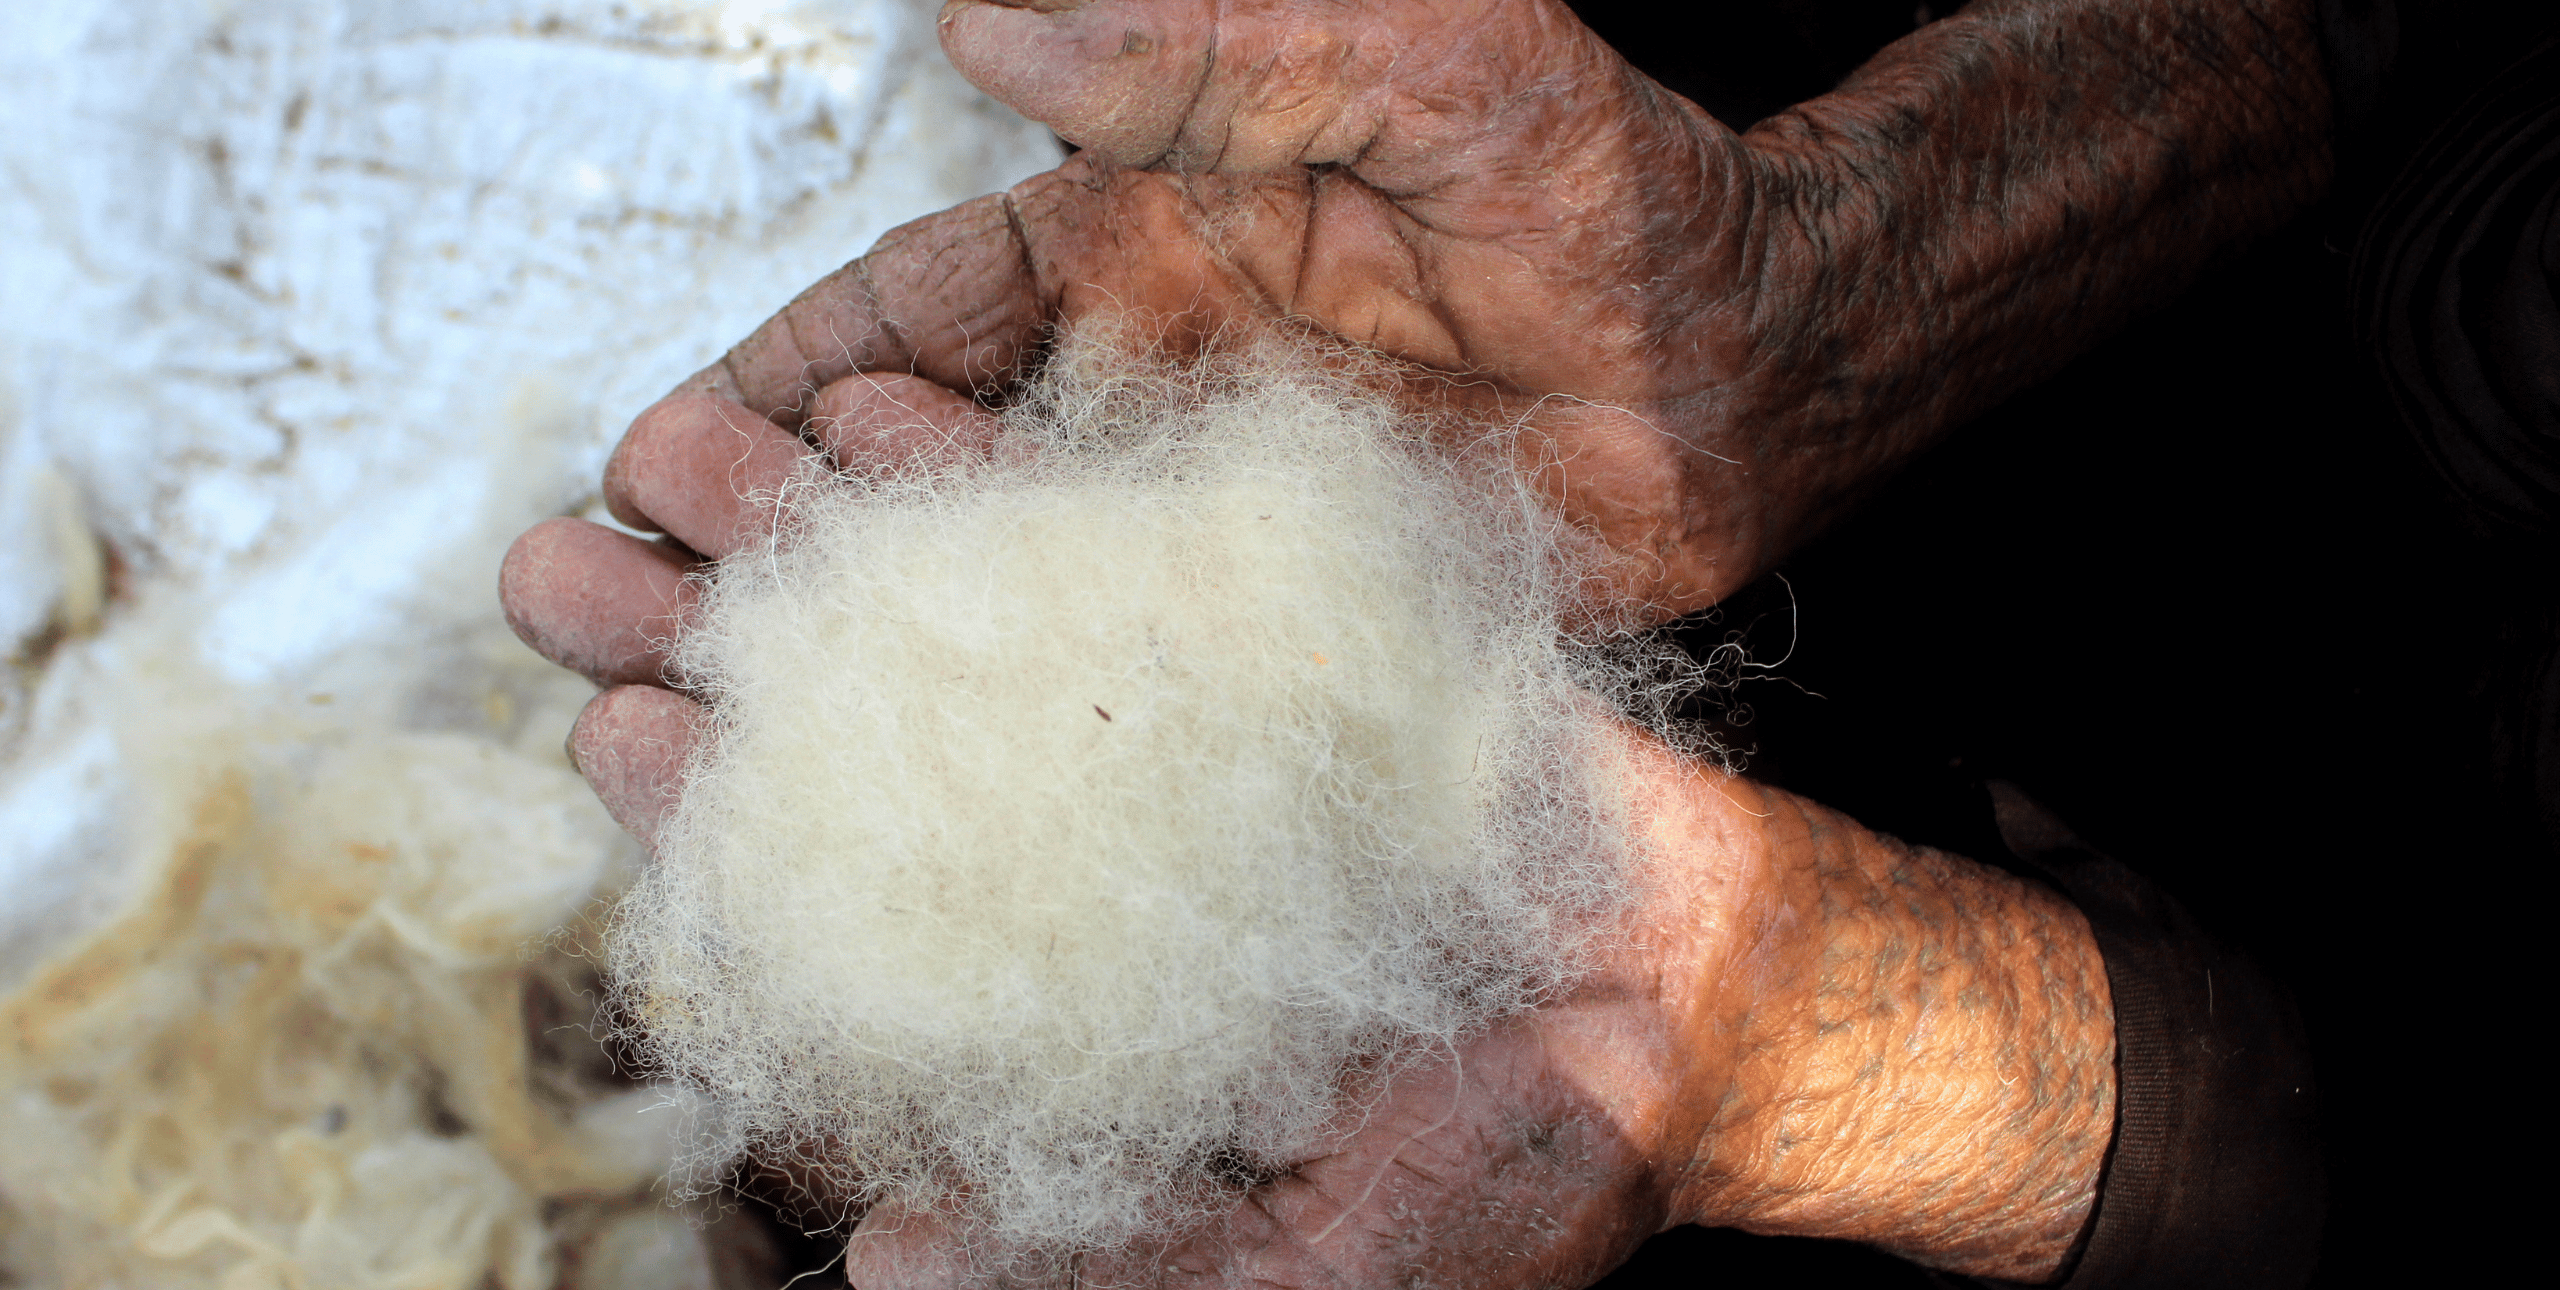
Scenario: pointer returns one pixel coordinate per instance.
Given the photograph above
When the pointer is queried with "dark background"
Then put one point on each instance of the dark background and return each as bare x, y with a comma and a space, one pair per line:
2203, 596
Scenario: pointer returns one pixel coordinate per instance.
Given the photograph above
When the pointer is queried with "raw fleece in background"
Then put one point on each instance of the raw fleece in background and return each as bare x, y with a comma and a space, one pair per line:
309, 308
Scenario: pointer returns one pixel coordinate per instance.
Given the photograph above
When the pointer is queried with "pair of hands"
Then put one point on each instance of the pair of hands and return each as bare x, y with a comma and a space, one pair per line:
1437, 232
1717, 341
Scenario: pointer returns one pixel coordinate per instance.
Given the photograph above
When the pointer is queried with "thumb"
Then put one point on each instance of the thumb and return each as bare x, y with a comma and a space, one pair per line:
1402, 91
1116, 76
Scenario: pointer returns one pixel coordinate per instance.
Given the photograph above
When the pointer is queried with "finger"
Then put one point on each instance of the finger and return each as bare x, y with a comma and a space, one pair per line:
876, 419
702, 470
595, 601
1401, 92
631, 743
1112, 76
897, 1248
946, 297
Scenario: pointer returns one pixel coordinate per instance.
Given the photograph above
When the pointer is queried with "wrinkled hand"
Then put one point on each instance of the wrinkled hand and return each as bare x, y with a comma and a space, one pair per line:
1718, 341
1482, 189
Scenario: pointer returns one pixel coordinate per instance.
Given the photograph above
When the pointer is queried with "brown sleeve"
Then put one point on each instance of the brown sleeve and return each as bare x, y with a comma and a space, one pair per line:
2215, 1177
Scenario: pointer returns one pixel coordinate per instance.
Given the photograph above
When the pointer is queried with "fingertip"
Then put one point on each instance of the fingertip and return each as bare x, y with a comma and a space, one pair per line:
598, 602
631, 743
639, 443
1118, 78
634, 475
524, 582
701, 469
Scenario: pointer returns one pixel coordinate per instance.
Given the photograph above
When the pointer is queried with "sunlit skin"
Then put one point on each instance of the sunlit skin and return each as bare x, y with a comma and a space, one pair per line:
1721, 341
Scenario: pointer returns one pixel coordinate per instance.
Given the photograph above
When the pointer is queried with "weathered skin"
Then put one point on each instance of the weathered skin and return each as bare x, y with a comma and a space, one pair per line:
1729, 337
1725, 340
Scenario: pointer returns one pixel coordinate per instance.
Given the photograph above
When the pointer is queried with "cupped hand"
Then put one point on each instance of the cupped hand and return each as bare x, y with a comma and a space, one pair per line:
1717, 342
1480, 189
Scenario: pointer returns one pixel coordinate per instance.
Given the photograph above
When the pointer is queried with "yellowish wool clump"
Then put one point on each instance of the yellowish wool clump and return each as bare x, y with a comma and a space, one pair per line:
1068, 824
323, 1044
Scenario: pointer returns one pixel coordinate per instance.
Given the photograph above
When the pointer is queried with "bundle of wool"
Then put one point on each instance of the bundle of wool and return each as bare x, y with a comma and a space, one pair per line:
1071, 820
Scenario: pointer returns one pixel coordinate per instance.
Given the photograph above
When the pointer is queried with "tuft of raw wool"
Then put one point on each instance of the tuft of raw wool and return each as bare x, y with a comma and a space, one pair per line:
1069, 822
320, 1041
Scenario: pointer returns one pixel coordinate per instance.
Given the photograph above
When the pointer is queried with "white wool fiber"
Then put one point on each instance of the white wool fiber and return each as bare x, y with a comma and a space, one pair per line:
1068, 825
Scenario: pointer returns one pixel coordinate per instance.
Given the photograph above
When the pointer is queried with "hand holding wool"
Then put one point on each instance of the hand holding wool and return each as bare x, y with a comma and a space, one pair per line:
1718, 341
1067, 823
1671, 1053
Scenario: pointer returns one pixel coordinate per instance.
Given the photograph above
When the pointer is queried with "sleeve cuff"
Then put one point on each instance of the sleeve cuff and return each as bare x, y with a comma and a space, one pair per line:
2214, 1177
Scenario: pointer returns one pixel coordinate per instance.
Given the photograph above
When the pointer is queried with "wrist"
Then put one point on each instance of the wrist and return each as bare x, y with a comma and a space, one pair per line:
1974, 208
1883, 1044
